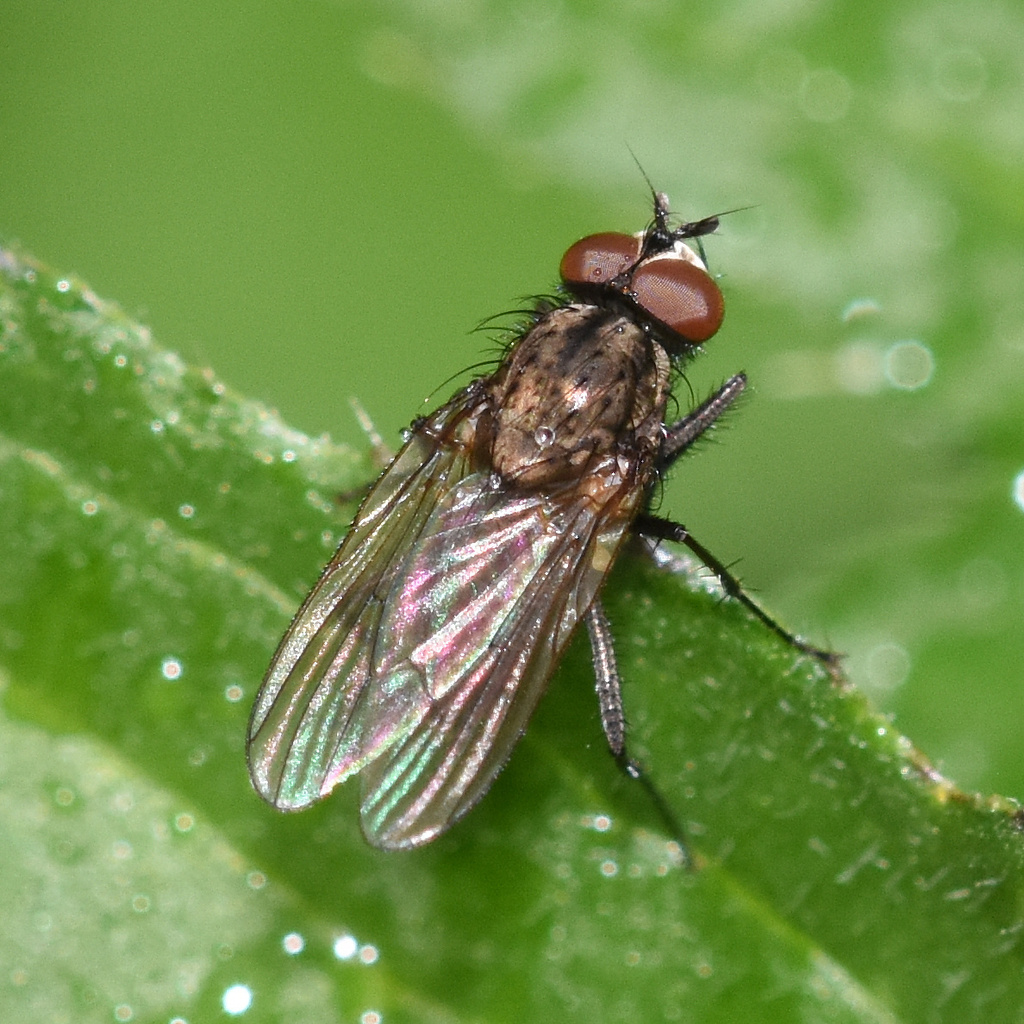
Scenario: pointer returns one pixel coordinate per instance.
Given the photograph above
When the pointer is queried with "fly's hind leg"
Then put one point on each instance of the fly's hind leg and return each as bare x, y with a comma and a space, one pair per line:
608, 684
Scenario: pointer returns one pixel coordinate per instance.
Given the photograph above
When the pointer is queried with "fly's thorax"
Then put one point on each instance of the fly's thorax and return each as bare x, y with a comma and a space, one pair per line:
586, 387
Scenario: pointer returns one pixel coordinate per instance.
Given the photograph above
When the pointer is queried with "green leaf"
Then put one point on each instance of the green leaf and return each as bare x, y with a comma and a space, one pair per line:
158, 532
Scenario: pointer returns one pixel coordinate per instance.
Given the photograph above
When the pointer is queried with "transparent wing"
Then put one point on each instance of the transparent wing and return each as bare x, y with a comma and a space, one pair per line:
302, 739
492, 601
425, 646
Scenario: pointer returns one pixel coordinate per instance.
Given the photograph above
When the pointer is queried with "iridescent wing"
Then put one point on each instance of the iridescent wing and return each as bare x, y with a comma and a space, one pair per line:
488, 602
300, 743
424, 648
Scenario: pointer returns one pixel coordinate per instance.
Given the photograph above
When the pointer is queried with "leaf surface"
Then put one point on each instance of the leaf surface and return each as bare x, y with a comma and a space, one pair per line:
158, 532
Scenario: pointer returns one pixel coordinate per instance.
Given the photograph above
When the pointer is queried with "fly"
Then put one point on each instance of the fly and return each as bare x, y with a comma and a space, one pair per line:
420, 654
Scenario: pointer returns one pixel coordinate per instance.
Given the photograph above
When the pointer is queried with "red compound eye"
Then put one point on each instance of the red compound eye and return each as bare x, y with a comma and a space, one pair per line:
680, 295
598, 258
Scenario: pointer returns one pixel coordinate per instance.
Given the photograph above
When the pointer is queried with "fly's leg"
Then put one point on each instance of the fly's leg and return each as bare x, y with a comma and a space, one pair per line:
678, 438
608, 684
607, 681
681, 435
664, 529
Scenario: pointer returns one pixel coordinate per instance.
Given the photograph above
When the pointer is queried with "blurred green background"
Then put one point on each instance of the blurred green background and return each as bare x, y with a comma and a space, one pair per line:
321, 200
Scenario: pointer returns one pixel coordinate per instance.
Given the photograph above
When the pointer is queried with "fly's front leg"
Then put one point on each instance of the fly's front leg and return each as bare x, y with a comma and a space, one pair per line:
680, 436
608, 684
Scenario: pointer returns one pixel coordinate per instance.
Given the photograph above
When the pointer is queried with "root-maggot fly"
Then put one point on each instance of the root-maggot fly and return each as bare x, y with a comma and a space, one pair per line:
419, 656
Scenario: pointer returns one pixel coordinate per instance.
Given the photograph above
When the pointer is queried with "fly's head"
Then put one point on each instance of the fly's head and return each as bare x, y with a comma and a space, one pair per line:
656, 274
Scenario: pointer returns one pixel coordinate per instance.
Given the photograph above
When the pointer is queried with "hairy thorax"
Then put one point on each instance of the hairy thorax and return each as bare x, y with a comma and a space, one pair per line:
581, 398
